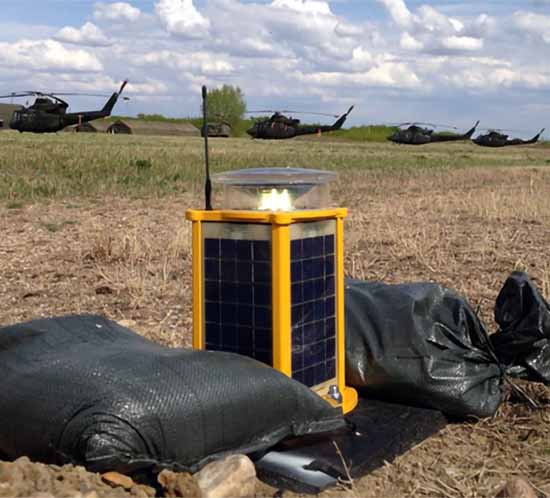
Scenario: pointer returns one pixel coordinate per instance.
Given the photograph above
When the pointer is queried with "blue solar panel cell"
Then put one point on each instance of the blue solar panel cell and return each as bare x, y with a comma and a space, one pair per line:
296, 250
329, 244
212, 268
261, 250
313, 309
212, 248
244, 271
245, 293
317, 244
262, 272
237, 294
262, 317
244, 250
262, 294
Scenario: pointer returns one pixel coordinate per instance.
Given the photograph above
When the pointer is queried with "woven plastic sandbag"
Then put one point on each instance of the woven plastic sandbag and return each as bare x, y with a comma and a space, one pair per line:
83, 389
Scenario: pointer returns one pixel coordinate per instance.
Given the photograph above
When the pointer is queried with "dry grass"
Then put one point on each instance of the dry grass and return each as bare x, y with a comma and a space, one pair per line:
466, 228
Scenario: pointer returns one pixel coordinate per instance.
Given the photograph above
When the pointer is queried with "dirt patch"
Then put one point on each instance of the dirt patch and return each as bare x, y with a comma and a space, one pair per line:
24, 478
467, 229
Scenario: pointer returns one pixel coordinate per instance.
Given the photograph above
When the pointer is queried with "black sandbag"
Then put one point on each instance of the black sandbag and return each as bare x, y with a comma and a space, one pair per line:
522, 342
419, 344
86, 390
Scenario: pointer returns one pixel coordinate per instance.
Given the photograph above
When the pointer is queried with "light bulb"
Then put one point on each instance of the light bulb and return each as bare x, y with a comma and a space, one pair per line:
275, 200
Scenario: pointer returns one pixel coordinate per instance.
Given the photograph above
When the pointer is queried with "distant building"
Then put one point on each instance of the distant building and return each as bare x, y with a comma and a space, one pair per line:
160, 128
97, 126
136, 127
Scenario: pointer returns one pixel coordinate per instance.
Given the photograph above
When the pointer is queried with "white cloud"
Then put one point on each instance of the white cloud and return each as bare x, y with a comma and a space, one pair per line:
117, 11
148, 87
399, 12
206, 63
467, 43
280, 51
386, 74
362, 59
479, 78
429, 30
535, 24
180, 17
47, 55
88, 34
408, 42
312, 7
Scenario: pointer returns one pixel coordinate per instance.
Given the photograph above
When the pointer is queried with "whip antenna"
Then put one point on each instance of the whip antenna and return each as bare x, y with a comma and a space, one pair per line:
208, 184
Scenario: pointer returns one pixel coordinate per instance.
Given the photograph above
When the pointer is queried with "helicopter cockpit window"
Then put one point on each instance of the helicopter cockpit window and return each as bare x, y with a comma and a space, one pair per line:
16, 117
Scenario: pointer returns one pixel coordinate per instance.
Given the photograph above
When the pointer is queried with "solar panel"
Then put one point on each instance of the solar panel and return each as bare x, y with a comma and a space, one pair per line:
313, 301
238, 295
237, 289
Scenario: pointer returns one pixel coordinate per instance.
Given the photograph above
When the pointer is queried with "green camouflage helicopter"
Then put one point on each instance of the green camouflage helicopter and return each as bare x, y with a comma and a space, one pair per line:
417, 135
48, 113
279, 126
496, 139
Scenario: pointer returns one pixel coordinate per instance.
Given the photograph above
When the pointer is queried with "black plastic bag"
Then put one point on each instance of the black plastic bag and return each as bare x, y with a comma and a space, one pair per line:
85, 390
522, 343
420, 344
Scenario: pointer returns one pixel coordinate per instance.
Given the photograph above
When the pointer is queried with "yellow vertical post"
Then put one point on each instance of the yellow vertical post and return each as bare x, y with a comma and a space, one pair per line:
198, 327
280, 260
340, 322
349, 395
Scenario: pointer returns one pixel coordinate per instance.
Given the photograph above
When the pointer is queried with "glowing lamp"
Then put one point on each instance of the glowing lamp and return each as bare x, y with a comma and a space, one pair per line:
268, 276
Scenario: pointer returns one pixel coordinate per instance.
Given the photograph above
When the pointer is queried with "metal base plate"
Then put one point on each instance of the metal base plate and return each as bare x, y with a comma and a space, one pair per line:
380, 432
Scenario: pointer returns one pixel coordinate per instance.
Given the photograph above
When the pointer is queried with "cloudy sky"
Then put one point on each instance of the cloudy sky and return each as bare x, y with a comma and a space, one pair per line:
448, 61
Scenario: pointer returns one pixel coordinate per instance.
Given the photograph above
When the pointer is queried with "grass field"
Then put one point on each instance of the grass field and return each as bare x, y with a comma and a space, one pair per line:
65, 165
96, 224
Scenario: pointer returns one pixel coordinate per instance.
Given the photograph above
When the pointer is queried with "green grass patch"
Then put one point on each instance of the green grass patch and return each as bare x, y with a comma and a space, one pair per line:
73, 166
14, 205
374, 133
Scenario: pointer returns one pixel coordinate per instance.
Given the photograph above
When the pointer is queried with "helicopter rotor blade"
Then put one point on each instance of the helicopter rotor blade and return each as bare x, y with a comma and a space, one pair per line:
504, 129
437, 125
312, 113
15, 95
293, 112
53, 94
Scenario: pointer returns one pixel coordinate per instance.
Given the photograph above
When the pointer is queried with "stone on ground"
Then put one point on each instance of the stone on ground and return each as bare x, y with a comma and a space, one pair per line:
115, 479
232, 477
517, 488
178, 485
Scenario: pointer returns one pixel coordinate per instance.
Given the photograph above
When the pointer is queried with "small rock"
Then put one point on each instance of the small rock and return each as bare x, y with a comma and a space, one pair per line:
142, 491
104, 290
127, 323
90, 494
517, 488
115, 480
232, 477
179, 484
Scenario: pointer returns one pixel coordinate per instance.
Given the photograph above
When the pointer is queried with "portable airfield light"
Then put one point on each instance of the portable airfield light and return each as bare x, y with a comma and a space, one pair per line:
268, 276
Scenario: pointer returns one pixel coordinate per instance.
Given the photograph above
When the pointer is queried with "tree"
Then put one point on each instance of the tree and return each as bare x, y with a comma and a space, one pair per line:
226, 104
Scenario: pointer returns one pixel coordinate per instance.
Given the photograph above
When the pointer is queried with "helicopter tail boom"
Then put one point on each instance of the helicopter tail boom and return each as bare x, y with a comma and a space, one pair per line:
341, 120
535, 139
471, 131
108, 107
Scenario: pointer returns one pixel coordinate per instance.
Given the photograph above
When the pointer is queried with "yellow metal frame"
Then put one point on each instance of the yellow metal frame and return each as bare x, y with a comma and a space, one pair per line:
281, 285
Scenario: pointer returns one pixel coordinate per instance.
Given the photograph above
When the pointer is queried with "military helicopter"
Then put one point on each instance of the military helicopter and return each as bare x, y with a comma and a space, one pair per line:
416, 135
48, 113
279, 126
496, 139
